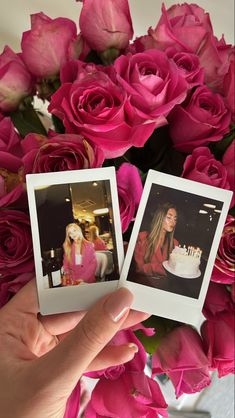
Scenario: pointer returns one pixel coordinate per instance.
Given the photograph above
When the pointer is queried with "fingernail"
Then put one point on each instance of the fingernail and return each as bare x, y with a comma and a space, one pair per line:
118, 303
134, 347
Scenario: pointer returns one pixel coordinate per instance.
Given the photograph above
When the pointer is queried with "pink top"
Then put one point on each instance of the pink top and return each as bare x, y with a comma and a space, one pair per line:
86, 270
155, 264
99, 244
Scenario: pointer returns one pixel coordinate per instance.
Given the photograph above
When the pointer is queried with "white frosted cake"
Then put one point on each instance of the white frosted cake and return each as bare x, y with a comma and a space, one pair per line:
185, 261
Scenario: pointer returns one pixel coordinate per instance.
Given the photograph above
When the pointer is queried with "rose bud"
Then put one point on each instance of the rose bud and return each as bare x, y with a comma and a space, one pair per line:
16, 82
46, 47
106, 24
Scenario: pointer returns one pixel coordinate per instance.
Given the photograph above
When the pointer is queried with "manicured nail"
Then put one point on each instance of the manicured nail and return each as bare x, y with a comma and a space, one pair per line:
118, 303
134, 347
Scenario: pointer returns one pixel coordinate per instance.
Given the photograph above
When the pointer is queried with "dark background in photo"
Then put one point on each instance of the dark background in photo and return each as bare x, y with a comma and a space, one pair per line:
59, 205
197, 220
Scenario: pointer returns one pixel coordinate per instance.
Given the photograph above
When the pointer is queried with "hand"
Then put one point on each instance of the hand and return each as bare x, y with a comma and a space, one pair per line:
42, 358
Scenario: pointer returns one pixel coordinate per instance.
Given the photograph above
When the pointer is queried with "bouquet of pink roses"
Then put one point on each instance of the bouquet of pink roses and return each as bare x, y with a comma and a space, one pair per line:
163, 101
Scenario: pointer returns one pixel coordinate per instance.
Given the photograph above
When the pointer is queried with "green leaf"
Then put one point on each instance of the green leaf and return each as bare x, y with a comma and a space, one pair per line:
219, 148
58, 124
27, 121
109, 55
162, 327
150, 343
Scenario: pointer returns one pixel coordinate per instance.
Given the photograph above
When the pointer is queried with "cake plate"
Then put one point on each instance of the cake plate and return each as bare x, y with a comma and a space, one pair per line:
183, 276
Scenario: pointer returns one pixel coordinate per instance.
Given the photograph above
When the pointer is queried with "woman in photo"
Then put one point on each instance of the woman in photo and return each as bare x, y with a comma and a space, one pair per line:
154, 247
79, 262
98, 243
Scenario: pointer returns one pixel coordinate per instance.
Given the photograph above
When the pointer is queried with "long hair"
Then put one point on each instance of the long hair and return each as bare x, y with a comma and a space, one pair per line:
153, 240
67, 245
94, 231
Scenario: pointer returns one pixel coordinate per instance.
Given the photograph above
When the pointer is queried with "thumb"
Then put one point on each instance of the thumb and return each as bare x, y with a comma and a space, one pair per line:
66, 363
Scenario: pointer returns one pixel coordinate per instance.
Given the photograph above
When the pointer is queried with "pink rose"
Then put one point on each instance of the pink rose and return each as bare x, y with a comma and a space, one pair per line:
59, 153
180, 355
153, 83
199, 121
16, 82
106, 24
182, 26
9, 287
138, 363
218, 340
229, 86
11, 185
228, 162
16, 250
76, 70
189, 66
214, 57
10, 141
133, 394
202, 166
73, 402
224, 267
218, 300
97, 108
46, 47
78, 48
130, 189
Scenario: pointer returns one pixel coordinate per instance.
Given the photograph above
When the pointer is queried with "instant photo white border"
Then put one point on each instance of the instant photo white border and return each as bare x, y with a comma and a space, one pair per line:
72, 298
162, 303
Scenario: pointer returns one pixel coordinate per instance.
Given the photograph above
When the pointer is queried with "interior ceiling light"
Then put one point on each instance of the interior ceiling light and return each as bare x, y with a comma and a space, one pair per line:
209, 205
101, 211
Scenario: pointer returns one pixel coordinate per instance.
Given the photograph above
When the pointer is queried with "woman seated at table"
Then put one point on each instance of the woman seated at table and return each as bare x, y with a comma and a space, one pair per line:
154, 247
98, 243
79, 262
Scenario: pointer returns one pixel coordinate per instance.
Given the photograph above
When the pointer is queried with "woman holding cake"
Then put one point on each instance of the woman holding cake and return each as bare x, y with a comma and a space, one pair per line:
154, 247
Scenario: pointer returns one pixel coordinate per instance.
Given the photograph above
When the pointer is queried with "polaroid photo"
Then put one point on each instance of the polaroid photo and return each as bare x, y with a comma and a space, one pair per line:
77, 238
173, 246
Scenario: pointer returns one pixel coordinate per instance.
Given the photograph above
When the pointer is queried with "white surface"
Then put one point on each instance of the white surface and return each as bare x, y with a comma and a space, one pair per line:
218, 398
15, 16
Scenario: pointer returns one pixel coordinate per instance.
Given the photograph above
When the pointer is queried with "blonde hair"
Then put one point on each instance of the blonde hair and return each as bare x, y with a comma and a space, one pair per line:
67, 245
94, 231
153, 240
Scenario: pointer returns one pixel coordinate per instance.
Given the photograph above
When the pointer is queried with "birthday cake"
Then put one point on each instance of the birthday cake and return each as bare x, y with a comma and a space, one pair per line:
185, 261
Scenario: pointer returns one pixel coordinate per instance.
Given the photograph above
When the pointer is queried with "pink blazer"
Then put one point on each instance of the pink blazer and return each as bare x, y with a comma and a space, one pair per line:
155, 264
99, 244
86, 270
